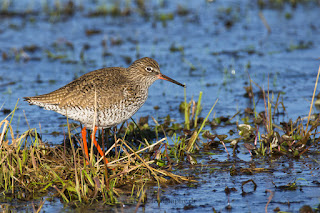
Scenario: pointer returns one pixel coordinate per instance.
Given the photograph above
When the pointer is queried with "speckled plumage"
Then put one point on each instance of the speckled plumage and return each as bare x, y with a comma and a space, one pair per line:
120, 92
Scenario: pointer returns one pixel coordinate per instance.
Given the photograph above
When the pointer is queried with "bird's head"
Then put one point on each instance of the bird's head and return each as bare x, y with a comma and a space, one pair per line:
149, 69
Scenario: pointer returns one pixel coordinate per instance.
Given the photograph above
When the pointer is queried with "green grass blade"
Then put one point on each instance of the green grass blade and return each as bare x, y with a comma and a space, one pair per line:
198, 109
88, 177
186, 111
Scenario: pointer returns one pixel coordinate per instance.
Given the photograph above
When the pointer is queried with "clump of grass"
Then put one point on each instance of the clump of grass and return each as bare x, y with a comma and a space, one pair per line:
191, 111
184, 145
113, 10
18, 54
58, 11
287, 138
300, 46
281, 3
29, 167
176, 48
54, 56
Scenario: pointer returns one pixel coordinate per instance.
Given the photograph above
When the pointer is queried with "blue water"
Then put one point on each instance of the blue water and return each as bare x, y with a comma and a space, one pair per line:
223, 40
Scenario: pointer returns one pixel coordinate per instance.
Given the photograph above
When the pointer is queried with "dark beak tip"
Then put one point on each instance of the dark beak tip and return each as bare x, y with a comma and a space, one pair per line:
164, 77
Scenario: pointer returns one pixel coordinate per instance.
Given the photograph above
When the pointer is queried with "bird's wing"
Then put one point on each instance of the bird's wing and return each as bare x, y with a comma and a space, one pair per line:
106, 83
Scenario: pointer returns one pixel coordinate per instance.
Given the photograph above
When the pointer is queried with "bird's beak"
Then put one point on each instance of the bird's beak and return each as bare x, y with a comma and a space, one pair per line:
164, 77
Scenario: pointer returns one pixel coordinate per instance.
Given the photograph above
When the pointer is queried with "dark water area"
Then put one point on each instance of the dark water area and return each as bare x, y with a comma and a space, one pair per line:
211, 46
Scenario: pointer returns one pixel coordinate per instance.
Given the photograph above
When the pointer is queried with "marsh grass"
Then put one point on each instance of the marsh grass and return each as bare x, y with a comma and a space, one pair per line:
287, 138
29, 167
187, 144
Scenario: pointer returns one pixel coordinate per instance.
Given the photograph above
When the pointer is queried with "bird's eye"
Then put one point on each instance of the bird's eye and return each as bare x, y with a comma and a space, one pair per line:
149, 69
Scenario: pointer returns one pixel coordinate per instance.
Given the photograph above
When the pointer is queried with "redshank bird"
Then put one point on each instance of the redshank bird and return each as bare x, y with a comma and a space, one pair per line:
113, 94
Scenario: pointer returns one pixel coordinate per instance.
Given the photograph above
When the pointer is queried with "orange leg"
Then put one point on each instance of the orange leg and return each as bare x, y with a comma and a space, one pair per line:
85, 145
98, 146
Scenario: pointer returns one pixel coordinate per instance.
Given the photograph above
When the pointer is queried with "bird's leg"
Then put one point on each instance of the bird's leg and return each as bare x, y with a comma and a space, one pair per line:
97, 145
85, 144
115, 139
102, 139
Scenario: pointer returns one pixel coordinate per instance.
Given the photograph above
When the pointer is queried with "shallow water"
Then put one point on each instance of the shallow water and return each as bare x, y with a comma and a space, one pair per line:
221, 39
